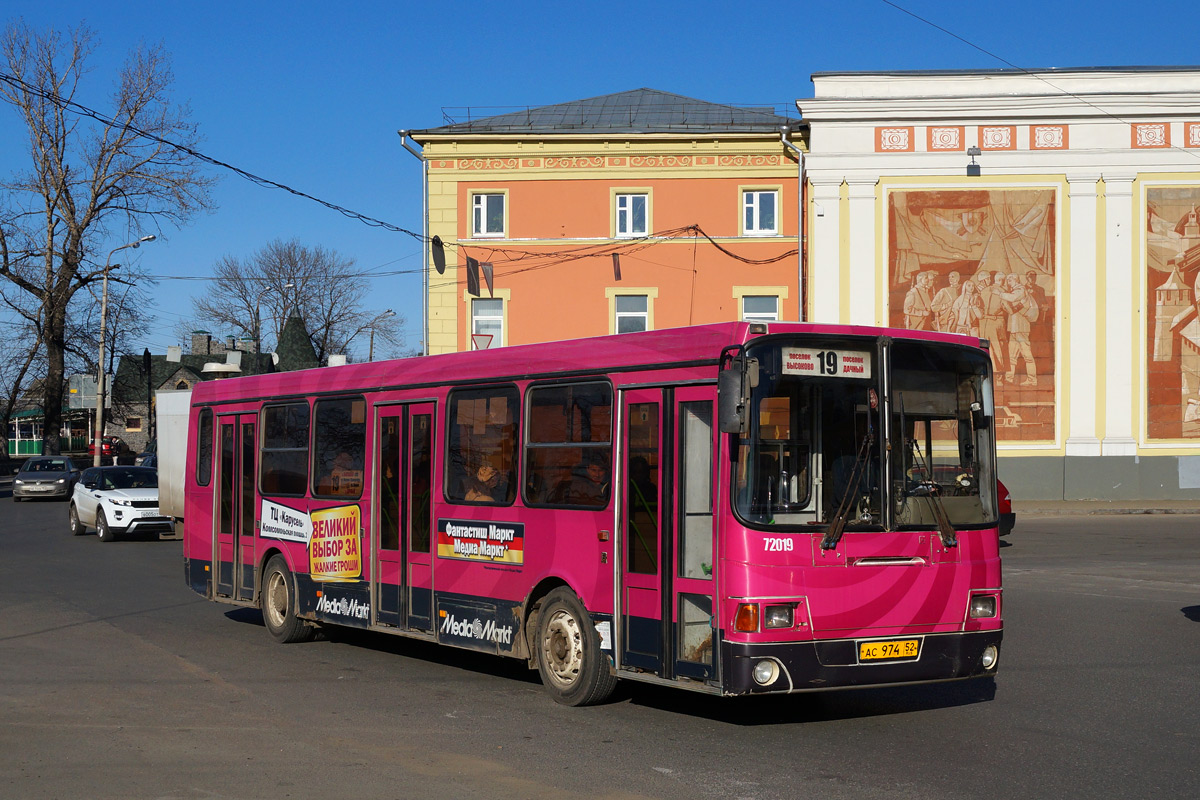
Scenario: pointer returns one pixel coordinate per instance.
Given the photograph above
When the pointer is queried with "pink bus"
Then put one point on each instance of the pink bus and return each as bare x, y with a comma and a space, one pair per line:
738, 508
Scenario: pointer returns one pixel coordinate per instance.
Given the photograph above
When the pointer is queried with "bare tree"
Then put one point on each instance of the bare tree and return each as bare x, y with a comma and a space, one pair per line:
88, 182
286, 278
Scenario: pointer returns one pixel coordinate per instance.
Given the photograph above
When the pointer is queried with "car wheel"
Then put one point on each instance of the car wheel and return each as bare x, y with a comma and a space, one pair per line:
77, 527
105, 533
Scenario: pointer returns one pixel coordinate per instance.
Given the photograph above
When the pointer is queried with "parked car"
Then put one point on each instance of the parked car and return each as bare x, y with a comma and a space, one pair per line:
117, 501
148, 460
113, 450
45, 476
1007, 518
150, 452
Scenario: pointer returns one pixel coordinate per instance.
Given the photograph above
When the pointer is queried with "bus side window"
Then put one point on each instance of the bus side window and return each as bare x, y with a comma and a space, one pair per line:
339, 447
481, 454
204, 447
568, 445
283, 460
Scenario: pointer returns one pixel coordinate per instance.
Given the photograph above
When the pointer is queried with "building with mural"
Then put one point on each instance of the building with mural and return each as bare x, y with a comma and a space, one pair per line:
634, 211
1053, 213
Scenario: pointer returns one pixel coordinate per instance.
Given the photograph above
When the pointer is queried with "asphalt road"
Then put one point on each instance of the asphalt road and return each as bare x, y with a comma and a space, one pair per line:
119, 682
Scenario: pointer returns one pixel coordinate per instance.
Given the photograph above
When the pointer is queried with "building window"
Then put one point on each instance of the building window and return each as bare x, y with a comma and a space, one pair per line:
133, 423
631, 214
487, 215
633, 313
760, 308
487, 317
759, 213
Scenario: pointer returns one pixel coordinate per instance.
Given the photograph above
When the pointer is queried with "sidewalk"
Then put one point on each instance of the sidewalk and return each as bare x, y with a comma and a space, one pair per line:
1036, 508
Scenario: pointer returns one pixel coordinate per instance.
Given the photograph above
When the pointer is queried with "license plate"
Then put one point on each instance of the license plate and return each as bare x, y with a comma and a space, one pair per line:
896, 648
153, 513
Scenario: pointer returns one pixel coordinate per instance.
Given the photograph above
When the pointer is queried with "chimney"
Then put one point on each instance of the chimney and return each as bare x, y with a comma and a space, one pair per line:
201, 342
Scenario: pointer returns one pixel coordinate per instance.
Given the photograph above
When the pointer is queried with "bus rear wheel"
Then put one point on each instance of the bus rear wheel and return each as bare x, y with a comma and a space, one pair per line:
573, 667
278, 600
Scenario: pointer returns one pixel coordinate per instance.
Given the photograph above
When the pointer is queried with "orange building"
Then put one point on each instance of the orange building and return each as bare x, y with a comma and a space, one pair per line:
634, 211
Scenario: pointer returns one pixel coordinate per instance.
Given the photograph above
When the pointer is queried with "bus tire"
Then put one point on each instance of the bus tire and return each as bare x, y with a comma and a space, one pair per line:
574, 669
278, 601
77, 527
103, 532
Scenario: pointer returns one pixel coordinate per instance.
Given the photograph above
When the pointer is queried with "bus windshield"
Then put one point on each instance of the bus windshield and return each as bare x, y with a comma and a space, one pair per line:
830, 419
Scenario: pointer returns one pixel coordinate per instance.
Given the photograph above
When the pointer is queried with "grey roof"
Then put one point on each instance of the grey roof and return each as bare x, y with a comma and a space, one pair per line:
1000, 71
637, 111
295, 348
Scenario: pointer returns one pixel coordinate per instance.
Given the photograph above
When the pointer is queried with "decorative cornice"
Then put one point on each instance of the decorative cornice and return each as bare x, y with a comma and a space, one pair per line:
648, 161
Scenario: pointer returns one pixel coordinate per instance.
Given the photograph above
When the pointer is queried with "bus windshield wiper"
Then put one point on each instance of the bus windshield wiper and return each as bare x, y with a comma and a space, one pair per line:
931, 491
837, 525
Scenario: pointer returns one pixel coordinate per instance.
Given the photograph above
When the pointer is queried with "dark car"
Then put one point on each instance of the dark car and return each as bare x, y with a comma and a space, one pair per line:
45, 476
149, 456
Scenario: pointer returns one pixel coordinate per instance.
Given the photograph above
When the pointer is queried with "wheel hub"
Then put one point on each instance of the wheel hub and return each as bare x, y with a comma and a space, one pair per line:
563, 648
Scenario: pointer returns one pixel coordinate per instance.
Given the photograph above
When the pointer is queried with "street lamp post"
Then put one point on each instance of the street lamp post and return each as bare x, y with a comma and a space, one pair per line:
384, 315
98, 434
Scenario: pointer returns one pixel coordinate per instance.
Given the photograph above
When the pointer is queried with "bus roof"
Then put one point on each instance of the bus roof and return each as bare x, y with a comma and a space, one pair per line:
695, 345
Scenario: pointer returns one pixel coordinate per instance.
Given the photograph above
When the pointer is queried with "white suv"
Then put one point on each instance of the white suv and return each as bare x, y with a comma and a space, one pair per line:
117, 500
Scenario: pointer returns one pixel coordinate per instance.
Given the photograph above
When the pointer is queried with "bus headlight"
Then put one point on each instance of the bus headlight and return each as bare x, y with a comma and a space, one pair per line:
983, 606
766, 672
778, 617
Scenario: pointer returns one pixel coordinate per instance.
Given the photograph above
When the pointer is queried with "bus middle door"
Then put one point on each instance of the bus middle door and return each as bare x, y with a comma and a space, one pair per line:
402, 579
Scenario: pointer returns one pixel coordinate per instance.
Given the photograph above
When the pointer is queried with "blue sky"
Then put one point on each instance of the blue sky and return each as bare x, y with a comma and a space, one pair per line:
311, 94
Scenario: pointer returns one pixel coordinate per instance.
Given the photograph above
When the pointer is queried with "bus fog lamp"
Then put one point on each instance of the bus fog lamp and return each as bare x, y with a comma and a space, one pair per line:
983, 606
778, 617
766, 672
989, 657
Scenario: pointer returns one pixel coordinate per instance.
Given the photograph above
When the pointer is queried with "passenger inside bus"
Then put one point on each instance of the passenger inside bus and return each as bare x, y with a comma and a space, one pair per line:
482, 486
591, 487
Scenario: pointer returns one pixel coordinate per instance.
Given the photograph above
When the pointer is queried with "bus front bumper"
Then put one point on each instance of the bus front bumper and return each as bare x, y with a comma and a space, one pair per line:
835, 663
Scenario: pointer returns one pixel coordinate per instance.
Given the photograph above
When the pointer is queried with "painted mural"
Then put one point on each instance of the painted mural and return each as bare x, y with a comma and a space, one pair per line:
1173, 324
983, 263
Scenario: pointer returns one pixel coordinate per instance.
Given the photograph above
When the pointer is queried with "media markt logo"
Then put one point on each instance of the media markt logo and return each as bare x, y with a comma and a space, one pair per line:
343, 608
475, 629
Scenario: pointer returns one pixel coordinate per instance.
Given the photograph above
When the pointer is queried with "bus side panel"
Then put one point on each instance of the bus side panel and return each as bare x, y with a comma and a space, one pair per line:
574, 547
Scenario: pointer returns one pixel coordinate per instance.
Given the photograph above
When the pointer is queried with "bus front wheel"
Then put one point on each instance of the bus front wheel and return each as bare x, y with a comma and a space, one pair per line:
279, 604
573, 667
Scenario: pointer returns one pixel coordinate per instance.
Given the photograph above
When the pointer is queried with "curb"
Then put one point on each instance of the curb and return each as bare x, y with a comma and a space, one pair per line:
1068, 509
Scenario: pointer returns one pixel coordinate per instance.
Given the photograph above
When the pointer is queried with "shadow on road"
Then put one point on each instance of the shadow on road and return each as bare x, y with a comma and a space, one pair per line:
1191, 612
748, 711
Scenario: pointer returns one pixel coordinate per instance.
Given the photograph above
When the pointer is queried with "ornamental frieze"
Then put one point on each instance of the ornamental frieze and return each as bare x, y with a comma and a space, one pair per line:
660, 162
575, 162
750, 161
488, 163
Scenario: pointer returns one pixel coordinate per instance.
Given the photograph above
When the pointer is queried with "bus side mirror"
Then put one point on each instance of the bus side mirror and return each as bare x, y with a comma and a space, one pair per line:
733, 394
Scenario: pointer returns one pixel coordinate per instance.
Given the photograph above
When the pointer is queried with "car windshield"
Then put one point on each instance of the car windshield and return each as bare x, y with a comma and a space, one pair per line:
47, 465
129, 478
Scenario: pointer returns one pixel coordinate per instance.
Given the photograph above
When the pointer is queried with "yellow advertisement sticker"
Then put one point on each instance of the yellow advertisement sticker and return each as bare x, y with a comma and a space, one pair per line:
335, 549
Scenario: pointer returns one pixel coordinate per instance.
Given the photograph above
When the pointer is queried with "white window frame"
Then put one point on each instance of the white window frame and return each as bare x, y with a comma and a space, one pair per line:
613, 292
497, 317
760, 316
624, 215
752, 202
479, 214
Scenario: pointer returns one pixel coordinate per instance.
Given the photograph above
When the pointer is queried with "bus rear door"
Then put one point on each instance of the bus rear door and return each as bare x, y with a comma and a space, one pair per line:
233, 539
402, 577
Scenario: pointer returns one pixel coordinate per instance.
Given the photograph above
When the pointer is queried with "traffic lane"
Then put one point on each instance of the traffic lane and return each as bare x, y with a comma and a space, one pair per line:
452, 722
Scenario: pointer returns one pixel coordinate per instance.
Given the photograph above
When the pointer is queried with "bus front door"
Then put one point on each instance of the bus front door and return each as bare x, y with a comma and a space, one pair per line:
233, 542
642, 522
402, 578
